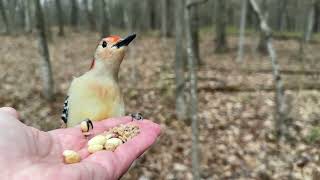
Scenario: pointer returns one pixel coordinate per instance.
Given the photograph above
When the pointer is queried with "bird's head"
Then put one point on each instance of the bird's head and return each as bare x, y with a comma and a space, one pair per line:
110, 52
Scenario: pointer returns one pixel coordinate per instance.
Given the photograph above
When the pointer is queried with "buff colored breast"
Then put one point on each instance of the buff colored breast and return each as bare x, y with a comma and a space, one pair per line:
96, 99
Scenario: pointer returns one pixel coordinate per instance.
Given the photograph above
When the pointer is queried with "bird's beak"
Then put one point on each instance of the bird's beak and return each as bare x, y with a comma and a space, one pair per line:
126, 41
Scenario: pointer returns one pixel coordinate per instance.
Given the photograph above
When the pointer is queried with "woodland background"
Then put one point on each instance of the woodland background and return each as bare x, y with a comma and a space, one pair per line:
233, 83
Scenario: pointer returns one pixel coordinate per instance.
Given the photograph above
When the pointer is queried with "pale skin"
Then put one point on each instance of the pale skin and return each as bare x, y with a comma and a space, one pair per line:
28, 153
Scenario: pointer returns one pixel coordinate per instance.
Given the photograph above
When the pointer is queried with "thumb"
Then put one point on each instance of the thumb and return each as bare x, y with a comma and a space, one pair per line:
11, 111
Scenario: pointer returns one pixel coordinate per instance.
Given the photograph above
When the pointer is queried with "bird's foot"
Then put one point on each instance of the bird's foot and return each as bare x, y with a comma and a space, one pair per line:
63, 124
136, 116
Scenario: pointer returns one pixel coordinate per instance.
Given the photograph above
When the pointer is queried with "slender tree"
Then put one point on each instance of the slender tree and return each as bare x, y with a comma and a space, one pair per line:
297, 21
105, 28
310, 21
221, 26
244, 6
147, 14
164, 18
46, 13
44, 52
316, 24
179, 61
89, 15
60, 18
308, 27
153, 14
12, 7
21, 10
4, 17
262, 46
128, 15
194, 15
27, 16
192, 66
74, 14
281, 17
191, 52
280, 114
253, 21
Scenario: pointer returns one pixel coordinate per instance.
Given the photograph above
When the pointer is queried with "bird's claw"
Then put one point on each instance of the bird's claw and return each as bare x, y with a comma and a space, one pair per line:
86, 126
136, 116
63, 124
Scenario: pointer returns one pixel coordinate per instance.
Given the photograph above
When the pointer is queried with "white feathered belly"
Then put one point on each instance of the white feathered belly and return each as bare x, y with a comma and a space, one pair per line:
93, 100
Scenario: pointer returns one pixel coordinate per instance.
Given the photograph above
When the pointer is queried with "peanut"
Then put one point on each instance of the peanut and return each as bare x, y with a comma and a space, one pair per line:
99, 139
112, 144
71, 157
109, 136
95, 148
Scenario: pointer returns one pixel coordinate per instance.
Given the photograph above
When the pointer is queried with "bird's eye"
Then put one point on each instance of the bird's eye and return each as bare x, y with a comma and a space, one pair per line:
104, 44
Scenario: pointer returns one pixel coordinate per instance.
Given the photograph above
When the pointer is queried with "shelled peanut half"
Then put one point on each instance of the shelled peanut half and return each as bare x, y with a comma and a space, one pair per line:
108, 140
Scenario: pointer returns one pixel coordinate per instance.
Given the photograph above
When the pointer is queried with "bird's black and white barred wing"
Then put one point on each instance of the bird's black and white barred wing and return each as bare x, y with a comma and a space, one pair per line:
64, 115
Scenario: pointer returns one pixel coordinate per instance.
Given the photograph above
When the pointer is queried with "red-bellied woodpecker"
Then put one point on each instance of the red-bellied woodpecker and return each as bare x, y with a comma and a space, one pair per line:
96, 94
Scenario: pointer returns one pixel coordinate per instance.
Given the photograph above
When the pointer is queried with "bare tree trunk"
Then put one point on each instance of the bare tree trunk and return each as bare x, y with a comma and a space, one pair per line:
60, 18
192, 60
316, 27
12, 4
164, 18
43, 49
167, 22
47, 23
153, 15
105, 29
4, 17
282, 15
89, 15
179, 61
244, 6
146, 8
27, 16
310, 22
21, 9
280, 115
301, 47
308, 26
74, 14
221, 26
194, 14
297, 21
127, 15
262, 46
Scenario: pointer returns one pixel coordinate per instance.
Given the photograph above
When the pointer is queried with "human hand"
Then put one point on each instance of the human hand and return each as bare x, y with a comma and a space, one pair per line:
28, 153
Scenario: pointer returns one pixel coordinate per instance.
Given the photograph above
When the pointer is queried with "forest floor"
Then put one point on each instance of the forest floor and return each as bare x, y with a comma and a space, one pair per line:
236, 103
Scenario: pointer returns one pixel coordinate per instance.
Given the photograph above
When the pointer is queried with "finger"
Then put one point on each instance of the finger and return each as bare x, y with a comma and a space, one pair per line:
11, 111
126, 153
72, 138
99, 127
132, 149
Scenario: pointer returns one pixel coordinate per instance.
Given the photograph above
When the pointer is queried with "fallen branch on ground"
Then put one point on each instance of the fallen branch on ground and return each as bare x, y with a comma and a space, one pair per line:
237, 89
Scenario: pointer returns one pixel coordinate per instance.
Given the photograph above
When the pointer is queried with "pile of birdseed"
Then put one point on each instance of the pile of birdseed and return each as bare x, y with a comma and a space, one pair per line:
124, 132
108, 140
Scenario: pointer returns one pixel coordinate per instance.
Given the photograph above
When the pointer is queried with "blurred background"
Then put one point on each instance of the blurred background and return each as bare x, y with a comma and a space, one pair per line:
233, 83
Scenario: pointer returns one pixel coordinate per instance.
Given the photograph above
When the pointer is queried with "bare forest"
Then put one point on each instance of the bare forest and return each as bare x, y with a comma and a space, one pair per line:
233, 83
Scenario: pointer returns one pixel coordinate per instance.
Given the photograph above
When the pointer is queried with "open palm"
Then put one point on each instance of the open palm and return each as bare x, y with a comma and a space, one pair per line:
27, 153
